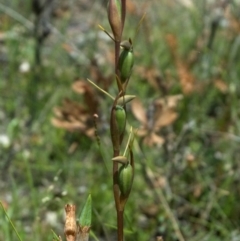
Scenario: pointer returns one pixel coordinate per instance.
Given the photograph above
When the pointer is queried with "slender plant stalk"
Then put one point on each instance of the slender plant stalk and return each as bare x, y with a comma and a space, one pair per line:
115, 164
117, 51
123, 176
105, 92
10, 221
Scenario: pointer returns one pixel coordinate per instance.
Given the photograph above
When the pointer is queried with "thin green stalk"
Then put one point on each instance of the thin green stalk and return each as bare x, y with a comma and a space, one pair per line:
10, 221
106, 32
34, 194
103, 91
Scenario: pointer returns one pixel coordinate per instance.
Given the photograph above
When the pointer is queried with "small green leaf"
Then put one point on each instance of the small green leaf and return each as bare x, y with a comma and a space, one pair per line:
86, 214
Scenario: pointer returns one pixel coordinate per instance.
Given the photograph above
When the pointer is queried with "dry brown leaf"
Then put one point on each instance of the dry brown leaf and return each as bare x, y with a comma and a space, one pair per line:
142, 132
73, 147
131, 7
70, 126
150, 210
172, 43
90, 97
187, 79
170, 101
197, 191
137, 9
68, 48
153, 76
162, 114
165, 113
156, 139
81, 87
71, 110
153, 139
234, 22
58, 113
90, 132
221, 85
167, 117
139, 111
160, 182
72, 116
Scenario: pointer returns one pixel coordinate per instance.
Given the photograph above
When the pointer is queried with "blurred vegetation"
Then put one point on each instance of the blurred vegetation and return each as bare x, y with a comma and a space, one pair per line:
186, 77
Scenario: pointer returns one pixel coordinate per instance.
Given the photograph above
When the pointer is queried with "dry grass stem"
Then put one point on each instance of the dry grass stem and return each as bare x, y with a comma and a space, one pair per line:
70, 230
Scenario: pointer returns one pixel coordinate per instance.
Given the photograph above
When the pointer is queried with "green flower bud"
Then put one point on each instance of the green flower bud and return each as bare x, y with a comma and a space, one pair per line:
126, 61
125, 179
120, 115
114, 9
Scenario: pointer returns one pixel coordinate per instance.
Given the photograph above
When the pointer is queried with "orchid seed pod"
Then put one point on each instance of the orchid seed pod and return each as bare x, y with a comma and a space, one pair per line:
120, 115
114, 9
126, 60
125, 179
